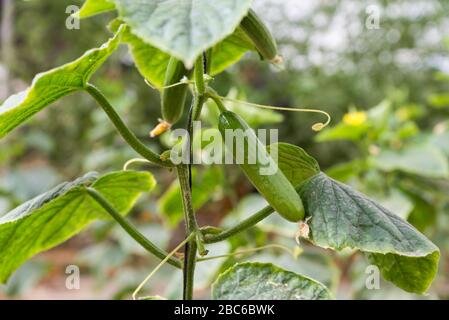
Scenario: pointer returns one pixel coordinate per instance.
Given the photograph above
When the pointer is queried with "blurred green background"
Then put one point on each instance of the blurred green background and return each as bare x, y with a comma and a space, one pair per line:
386, 88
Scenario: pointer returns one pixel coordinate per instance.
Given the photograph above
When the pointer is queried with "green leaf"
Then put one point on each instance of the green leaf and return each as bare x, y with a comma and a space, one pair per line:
93, 7
52, 85
265, 281
206, 183
230, 51
343, 131
152, 63
344, 218
183, 28
55, 216
422, 160
294, 162
439, 100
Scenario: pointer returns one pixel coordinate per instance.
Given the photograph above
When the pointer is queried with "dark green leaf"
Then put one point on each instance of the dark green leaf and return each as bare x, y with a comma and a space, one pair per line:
344, 218
265, 281
294, 162
55, 216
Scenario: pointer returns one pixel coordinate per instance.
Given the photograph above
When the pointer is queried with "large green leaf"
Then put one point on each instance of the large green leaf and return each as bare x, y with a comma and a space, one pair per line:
183, 28
265, 281
344, 218
57, 215
294, 162
52, 85
152, 63
230, 51
423, 160
93, 7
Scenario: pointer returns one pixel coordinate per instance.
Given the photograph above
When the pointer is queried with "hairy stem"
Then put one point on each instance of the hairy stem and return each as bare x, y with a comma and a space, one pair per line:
245, 224
199, 75
124, 131
216, 98
132, 230
191, 227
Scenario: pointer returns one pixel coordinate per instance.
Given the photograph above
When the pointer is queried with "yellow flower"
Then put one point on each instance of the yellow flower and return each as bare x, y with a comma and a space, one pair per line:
355, 118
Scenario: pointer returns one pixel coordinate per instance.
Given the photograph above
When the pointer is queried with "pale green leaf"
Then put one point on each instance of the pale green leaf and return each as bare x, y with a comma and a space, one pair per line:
344, 218
183, 28
93, 7
230, 51
423, 160
343, 131
265, 281
52, 85
57, 215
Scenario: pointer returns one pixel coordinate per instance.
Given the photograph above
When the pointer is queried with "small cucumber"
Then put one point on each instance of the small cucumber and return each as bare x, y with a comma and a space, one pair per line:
275, 188
174, 98
261, 36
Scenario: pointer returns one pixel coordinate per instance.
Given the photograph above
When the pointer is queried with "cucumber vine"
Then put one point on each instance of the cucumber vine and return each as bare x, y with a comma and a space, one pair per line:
334, 215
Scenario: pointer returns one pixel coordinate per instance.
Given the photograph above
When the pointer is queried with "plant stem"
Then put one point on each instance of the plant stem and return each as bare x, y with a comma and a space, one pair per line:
161, 264
132, 230
124, 131
199, 75
191, 227
245, 224
185, 181
217, 99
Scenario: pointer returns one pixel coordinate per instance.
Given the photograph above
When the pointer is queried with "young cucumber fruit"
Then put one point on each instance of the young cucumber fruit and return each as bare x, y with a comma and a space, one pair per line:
273, 185
174, 98
258, 32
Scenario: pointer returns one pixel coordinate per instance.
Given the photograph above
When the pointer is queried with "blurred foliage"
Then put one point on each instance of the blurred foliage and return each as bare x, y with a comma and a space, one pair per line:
387, 92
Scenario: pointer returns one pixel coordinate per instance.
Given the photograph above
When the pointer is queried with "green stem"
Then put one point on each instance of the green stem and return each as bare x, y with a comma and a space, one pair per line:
199, 76
245, 224
124, 131
191, 227
211, 93
131, 230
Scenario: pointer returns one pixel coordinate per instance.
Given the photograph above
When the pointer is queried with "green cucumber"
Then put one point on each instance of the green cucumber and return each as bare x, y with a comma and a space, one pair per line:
275, 188
261, 36
174, 98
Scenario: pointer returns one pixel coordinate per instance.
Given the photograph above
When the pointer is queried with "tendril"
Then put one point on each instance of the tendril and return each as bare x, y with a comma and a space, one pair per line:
269, 246
316, 127
160, 265
135, 160
184, 80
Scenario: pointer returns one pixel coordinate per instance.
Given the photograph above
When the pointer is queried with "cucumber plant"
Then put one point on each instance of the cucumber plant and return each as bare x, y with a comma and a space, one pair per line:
178, 46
